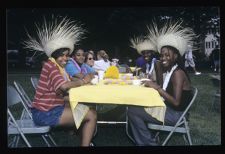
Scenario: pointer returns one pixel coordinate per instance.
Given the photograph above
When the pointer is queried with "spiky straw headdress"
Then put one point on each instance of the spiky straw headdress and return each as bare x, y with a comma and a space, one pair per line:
153, 33
148, 42
54, 35
176, 36
141, 44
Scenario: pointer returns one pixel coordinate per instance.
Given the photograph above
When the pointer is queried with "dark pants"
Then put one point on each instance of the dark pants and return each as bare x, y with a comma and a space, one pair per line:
138, 120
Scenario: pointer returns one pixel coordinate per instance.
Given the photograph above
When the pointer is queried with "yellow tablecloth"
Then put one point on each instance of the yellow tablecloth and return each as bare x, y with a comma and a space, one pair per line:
132, 68
118, 94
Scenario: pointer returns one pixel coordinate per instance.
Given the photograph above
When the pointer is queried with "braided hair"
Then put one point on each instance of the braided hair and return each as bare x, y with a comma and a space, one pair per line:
179, 61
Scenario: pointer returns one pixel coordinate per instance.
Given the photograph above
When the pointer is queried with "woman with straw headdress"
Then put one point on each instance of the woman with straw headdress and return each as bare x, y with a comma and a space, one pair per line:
51, 104
172, 42
146, 47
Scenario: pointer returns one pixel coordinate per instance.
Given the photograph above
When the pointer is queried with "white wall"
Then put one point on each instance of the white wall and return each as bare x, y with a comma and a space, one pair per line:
210, 44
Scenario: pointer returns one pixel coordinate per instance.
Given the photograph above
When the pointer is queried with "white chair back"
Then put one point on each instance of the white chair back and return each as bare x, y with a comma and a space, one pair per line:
34, 81
20, 122
181, 125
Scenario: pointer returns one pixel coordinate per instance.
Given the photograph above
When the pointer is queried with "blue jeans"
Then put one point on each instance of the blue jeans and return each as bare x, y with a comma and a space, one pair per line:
49, 118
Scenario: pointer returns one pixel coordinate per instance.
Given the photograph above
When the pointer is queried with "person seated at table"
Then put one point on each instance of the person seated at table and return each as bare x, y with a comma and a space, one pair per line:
151, 67
89, 62
51, 105
124, 65
92, 52
76, 68
102, 62
176, 90
140, 61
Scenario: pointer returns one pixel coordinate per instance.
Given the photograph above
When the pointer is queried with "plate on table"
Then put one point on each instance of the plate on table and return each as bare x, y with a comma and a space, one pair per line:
145, 79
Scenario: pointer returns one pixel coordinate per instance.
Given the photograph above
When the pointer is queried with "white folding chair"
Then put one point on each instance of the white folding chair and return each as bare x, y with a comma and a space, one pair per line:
34, 81
181, 126
26, 114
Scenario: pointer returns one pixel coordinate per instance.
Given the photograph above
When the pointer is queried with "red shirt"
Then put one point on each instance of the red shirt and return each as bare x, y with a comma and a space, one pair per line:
50, 80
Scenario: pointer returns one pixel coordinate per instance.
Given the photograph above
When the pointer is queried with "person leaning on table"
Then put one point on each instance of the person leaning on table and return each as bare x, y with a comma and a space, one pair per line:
89, 62
76, 67
151, 67
102, 63
176, 91
50, 105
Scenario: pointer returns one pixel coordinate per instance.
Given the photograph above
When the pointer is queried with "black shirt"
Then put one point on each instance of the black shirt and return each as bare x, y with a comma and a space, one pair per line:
185, 98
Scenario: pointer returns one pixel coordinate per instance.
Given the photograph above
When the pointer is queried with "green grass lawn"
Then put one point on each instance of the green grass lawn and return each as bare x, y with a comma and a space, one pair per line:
205, 120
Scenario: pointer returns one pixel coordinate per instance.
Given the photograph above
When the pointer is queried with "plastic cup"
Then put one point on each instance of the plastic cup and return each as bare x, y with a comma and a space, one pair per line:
136, 82
101, 75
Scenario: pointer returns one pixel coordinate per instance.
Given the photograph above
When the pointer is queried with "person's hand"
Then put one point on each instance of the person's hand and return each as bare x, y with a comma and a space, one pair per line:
87, 78
149, 76
79, 76
75, 79
151, 84
92, 75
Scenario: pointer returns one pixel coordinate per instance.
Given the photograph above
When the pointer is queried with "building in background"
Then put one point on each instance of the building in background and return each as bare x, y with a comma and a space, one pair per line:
211, 40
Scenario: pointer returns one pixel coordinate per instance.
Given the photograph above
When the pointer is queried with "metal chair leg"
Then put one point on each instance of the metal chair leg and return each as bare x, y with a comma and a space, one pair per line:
189, 137
185, 139
17, 140
20, 131
46, 141
14, 141
53, 141
96, 130
188, 131
96, 127
127, 127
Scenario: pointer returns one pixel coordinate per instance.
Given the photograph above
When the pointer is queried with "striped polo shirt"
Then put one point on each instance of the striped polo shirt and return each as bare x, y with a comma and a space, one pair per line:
50, 80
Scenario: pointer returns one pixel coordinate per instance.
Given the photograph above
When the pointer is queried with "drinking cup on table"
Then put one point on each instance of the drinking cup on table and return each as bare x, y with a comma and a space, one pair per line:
101, 75
94, 80
136, 82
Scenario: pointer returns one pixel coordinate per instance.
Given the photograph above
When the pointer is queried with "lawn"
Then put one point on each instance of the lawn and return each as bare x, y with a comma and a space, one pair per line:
205, 120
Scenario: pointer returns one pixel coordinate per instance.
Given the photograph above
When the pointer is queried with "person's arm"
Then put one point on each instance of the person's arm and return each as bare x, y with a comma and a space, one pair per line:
159, 73
78, 75
60, 85
72, 84
71, 69
177, 80
88, 77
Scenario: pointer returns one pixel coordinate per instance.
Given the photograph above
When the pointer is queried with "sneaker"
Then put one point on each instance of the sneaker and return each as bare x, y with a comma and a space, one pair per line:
92, 144
198, 73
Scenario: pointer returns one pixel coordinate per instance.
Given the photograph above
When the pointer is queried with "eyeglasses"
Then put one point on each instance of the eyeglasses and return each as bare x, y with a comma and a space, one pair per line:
90, 58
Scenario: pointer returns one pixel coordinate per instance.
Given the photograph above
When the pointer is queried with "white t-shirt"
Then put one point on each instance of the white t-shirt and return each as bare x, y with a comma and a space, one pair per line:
188, 54
101, 65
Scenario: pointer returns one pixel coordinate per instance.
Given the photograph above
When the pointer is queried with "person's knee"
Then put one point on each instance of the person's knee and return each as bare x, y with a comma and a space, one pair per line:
92, 115
131, 113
